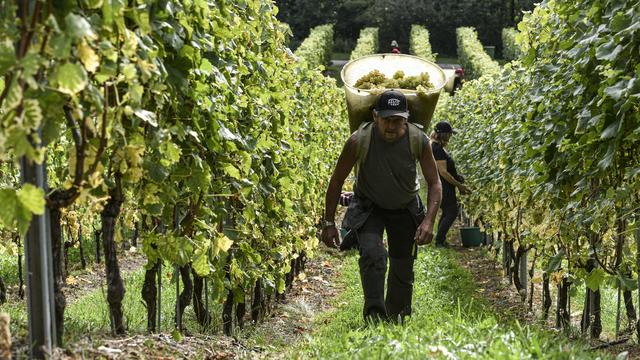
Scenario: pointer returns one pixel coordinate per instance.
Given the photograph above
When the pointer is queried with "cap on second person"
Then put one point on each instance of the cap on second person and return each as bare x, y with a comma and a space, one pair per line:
392, 103
444, 127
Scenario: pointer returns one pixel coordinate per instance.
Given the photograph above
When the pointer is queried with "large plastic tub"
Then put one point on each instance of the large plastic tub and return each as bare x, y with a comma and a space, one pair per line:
471, 236
360, 102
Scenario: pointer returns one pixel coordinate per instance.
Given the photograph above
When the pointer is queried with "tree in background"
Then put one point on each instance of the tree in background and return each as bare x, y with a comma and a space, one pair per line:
302, 15
395, 18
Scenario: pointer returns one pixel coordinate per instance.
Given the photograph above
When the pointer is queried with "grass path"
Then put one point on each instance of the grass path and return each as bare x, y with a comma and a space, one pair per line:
450, 321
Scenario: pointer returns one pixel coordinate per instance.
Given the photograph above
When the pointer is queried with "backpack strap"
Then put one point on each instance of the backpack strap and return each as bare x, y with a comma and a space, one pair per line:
415, 140
363, 141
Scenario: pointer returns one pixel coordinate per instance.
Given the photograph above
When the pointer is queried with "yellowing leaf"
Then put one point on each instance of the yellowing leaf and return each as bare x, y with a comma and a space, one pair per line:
32, 198
69, 78
223, 243
8, 200
32, 113
232, 171
88, 57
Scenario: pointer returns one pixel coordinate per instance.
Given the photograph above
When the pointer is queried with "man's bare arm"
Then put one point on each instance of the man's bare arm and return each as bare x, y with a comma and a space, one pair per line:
346, 161
434, 193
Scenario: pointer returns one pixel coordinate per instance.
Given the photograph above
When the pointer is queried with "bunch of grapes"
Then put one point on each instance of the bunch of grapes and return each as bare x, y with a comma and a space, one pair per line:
372, 80
377, 80
412, 82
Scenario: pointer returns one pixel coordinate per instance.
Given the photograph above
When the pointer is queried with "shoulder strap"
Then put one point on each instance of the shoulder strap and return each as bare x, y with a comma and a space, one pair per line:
415, 140
363, 140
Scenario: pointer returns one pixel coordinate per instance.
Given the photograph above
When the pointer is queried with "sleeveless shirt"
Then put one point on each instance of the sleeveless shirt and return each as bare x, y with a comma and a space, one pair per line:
388, 176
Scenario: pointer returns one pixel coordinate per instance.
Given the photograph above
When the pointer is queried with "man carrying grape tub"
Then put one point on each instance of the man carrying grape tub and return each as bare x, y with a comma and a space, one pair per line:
385, 197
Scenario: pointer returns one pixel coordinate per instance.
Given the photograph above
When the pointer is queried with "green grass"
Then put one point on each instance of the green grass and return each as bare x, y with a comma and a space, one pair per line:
89, 314
447, 59
608, 309
9, 262
340, 56
449, 321
9, 269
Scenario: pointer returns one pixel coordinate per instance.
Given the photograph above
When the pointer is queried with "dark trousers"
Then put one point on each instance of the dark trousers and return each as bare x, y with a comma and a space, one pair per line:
450, 211
401, 229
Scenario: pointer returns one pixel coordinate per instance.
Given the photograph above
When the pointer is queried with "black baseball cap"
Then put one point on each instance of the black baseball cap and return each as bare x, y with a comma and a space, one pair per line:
392, 103
444, 127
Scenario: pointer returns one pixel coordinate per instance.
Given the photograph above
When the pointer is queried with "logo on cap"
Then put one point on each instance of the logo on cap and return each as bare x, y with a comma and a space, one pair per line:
393, 102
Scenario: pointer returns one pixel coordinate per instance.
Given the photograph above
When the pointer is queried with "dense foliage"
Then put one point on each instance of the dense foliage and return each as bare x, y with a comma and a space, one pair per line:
367, 43
191, 115
475, 61
419, 43
551, 144
441, 17
317, 49
510, 48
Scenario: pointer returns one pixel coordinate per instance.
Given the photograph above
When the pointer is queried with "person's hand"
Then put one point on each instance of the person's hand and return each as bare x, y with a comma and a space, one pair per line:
330, 237
424, 233
464, 190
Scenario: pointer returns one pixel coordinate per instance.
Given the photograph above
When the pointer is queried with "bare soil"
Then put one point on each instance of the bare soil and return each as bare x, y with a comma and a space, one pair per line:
289, 320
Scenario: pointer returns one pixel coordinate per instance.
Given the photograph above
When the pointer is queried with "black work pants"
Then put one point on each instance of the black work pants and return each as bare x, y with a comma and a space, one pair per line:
401, 229
450, 211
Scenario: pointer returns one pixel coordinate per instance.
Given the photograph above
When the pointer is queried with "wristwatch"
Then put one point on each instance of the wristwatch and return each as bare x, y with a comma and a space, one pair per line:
327, 223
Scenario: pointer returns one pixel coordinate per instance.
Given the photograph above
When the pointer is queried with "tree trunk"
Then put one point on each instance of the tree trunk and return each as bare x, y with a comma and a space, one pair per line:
58, 276
585, 321
288, 279
546, 295
531, 288
628, 304
185, 295
136, 234
241, 310
595, 322
303, 261
227, 308
202, 313
596, 325
83, 261
67, 244
515, 269
149, 295
97, 234
562, 315
508, 251
20, 276
227, 314
3, 291
258, 302
115, 286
